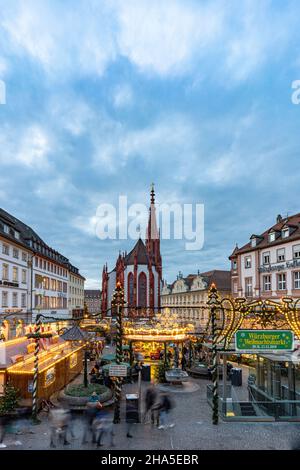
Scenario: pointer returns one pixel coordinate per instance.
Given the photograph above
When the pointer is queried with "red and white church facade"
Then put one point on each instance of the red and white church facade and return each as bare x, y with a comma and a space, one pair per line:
139, 272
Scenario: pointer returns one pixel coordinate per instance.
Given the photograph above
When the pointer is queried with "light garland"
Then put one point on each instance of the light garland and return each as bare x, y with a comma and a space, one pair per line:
239, 310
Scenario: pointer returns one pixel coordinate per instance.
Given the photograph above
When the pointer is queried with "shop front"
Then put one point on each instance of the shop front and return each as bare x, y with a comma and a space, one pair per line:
260, 387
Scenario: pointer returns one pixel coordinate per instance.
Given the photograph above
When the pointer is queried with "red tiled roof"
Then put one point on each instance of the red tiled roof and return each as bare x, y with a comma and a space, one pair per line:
293, 222
222, 279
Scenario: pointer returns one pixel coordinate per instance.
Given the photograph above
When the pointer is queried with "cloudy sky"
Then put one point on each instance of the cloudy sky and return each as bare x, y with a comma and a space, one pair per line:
105, 96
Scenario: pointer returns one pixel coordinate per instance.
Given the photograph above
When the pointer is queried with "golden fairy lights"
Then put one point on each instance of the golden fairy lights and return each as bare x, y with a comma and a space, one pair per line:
163, 327
233, 312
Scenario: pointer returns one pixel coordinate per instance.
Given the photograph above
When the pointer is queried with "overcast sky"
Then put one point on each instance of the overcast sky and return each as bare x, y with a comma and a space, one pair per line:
104, 97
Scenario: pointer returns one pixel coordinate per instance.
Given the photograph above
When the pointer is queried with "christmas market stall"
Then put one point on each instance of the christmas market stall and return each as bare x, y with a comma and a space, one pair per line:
58, 364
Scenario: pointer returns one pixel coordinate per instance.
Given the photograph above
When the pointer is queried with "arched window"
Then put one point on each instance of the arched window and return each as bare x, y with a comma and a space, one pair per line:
130, 290
142, 290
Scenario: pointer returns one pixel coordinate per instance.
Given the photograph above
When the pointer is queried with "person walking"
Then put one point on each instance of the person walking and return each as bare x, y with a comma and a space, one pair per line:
150, 399
92, 407
104, 427
165, 407
3, 425
132, 416
59, 419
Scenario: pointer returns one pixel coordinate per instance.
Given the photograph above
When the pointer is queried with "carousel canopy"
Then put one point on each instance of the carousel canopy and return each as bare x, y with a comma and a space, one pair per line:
75, 334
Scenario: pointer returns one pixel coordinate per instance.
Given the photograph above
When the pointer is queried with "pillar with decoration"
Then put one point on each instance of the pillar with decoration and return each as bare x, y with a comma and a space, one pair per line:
118, 302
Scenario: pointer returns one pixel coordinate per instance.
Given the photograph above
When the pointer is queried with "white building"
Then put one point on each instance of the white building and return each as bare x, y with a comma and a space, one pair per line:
14, 279
34, 277
269, 265
187, 296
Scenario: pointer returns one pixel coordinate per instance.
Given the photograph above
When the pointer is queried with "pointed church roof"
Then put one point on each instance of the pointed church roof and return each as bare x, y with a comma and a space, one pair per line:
152, 232
141, 253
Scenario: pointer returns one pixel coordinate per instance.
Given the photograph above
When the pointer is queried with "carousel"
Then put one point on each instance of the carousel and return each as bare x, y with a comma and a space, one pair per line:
160, 336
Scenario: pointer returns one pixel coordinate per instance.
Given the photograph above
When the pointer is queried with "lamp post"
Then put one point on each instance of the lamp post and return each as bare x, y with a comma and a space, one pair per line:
213, 302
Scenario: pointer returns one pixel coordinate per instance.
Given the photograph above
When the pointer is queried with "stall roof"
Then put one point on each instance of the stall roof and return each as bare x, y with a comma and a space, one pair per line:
11, 349
46, 358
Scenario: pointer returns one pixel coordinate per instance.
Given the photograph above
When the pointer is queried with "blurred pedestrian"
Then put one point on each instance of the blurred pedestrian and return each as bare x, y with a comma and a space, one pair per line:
132, 417
59, 421
92, 407
150, 399
3, 426
183, 362
104, 426
165, 408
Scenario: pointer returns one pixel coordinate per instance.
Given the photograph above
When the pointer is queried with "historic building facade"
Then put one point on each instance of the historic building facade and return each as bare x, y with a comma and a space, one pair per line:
76, 292
139, 272
269, 265
92, 299
34, 277
14, 278
188, 296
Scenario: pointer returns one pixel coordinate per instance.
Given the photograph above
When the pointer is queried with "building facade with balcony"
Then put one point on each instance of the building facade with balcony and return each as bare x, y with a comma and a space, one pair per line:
269, 265
187, 296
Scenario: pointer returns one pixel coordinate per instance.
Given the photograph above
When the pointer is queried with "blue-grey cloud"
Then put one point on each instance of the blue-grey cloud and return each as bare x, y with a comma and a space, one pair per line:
105, 97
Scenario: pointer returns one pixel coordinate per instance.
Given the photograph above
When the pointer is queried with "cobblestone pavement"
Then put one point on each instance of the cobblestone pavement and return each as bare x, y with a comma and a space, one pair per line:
192, 430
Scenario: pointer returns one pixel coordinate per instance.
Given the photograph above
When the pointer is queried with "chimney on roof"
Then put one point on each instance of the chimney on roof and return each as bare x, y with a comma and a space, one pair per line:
279, 218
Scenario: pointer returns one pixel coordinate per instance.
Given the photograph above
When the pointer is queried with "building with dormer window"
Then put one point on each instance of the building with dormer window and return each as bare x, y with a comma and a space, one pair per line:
188, 296
269, 265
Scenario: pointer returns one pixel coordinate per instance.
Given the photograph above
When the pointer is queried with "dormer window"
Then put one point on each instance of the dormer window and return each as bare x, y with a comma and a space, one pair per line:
285, 233
272, 236
255, 240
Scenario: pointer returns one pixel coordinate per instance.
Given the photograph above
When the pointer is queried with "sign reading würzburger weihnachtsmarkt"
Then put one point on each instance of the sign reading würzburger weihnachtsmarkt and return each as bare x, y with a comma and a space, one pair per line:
264, 340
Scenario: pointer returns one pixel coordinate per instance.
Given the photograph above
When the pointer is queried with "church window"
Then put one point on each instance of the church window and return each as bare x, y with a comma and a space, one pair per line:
142, 290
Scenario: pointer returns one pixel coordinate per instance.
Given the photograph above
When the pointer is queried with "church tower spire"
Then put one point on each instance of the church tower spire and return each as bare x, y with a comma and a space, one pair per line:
152, 235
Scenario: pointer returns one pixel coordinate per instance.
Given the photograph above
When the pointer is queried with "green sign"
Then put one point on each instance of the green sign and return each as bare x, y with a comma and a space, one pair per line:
264, 340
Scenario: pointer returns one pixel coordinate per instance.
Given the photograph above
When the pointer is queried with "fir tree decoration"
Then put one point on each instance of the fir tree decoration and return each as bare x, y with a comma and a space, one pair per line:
10, 399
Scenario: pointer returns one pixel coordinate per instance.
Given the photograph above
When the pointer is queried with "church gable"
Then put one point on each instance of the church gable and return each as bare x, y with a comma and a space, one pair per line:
138, 251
